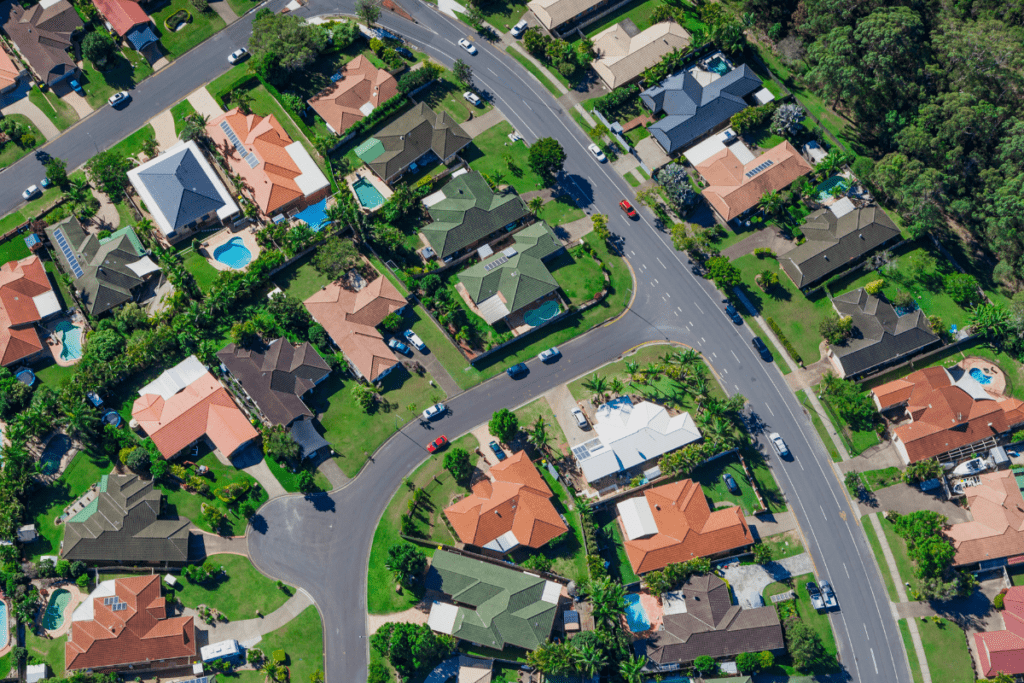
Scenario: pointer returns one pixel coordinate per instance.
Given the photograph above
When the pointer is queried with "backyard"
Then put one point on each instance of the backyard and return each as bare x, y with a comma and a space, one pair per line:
46, 650
204, 274
611, 549
240, 593
640, 12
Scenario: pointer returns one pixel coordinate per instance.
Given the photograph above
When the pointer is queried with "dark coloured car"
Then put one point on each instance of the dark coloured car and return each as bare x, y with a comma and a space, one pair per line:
437, 444
628, 208
496, 449
404, 52
731, 311
518, 370
731, 484
762, 348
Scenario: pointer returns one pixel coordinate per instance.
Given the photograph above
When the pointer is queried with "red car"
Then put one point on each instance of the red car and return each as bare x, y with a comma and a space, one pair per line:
628, 208
437, 444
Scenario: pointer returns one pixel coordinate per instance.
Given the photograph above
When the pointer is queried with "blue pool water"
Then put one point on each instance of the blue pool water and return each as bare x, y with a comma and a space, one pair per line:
53, 618
3, 624
71, 340
718, 66
369, 196
636, 617
824, 190
543, 313
233, 253
54, 451
980, 376
315, 216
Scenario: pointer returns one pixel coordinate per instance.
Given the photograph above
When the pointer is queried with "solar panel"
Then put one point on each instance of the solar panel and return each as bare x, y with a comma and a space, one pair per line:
581, 452
65, 248
239, 147
109, 601
761, 167
252, 160
495, 263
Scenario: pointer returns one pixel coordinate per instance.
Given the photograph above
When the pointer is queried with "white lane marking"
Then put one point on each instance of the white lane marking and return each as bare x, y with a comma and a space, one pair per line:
679, 309
660, 263
874, 660
655, 280
769, 407
734, 355
850, 577
677, 313
632, 253
702, 339
668, 294
865, 627
823, 513
489, 69
699, 344
724, 371
713, 354
699, 308
737, 388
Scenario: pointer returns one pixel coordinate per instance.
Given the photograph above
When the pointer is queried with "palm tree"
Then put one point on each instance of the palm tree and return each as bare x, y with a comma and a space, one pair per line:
701, 391
536, 204
599, 386
609, 598
770, 203
699, 36
632, 370
590, 660
632, 669
82, 420
616, 386
272, 670
538, 435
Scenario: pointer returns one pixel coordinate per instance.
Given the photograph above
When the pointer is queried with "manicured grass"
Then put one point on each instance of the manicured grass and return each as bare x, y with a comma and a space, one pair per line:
240, 7
132, 145
503, 14
46, 650
13, 151
567, 552
908, 643
302, 640
239, 594
772, 590
1016, 576
609, 536
223, 84
201, 270
709, 476
59, 112
290, 480
30, 211
559, 212
300, 280
125, 217
534, 71
487, 155
786, 544
819, 426
876, 548
14, 249
441, 487
904, 564
451, 358
856, 441
639, 12
529, 413
179, 112
54, 375
631, 179
818, 621
177, 43
127, 70
879, 479
445, 94
945, 648
579, 276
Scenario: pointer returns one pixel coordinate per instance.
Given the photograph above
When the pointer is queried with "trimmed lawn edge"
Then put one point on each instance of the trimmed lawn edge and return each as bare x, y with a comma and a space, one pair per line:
534, 71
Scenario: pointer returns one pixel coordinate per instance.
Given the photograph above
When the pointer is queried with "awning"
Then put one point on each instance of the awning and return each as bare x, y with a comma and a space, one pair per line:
144, 266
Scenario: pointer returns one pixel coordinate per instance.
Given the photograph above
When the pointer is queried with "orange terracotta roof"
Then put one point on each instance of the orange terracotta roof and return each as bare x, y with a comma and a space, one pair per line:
123, 15
202, 408
998, 527
342, 103
731, 191
8, 71
20, 281
138, 634
350, 318
515, 499
687, 528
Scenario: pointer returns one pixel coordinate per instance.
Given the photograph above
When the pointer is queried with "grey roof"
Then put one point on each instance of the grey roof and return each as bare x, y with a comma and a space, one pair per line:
879, 335
835, 243
181, 188
414, 134
125, 526
713, 626
469, 212
693, 110
276, 375
304, 433
43, 35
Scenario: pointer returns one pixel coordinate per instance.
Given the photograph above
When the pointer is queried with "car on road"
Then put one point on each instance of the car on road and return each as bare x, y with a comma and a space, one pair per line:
436, 410
628, 208
598, 154
581, 419
731, 484
518, 370
779, 445
550, 354
519, 29
399, 346
828, 595
496, 449
30, 192
762, 348
238, 55
119, 98
731, 311
415, 340
473, 99
817, 602
467, 46
437, 444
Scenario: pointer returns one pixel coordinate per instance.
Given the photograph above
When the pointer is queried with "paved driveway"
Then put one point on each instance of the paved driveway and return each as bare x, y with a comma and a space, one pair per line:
749, 581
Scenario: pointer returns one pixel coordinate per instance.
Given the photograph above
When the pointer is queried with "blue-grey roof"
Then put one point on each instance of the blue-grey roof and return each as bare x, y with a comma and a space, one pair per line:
304, 433
692, 110
181, 188
140, 36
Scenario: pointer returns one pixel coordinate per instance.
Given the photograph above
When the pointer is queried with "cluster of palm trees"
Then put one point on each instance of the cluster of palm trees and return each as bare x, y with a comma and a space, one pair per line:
684, 367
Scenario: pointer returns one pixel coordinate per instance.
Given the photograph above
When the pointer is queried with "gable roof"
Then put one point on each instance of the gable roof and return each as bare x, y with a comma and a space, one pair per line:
734, 187
122, 15
554, 13
494, 606
515, 500
26, 297
361, 89
43, 35
123, 524
686, 528
140, 632
202, 407
880, 335
711, 625
1004, 650
469, 212
304, 433
350, 318
276, 375
997, 530
9, 71
515, 277
835, 242
412, 135
623, 55
692, 110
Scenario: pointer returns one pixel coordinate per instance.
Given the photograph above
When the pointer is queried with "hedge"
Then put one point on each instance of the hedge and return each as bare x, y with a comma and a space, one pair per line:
614, 99
785, 342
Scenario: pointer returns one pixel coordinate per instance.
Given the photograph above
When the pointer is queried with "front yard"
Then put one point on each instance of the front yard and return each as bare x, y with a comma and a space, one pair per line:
529, 413
579, 276
492, 152
445, 94
945, 648
612, 551
709, 476
128, 69
240, 593
11, 151
302, 640
202, 26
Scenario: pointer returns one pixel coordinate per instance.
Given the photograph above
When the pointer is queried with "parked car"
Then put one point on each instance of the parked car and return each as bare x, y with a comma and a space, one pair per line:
437, 444
829, 595
731, 311
467, 46
816, 600
550, 354
596, 151
399, 346
762, 349
518, 370
731, 484
45, 183
238, 55
519, 29
77, 87
119, 98
415, 340
473, 99
405, 52
496, 449
628, 208
779, 445
435, 410
30, 192
581, 419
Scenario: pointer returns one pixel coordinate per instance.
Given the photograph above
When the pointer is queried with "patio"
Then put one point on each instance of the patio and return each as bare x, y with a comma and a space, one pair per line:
242, 237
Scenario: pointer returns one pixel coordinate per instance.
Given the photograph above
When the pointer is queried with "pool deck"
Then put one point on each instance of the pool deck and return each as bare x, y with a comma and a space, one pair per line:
77, 596
377, 183
997, 386
54, 340
225, 236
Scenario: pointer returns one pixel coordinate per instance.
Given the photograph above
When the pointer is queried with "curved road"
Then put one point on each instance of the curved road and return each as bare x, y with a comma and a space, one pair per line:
322, 544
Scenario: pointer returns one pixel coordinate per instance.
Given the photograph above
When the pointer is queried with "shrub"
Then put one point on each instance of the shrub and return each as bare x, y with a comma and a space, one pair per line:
784, 341
835, 329
997, 601
962, 288
764, 252
538, 562
607, 104
751, 117
874, 287
279, 656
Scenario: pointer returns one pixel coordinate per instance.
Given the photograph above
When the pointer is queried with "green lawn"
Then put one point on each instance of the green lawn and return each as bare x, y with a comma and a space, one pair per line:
11, 151
439, 484
613, 551
566, 552
59, 112
263, 103
300, 279
177, 43
201, 270
908, 643
290, 480
503, 14
559, 212
487, 155
240, 7
904, 565
876, 548
532, 68
856, 440
14, 249
128, 69
450, 357
709, 476
819, 426
786, 544
579, 276
132, 145
639, 11
529, 413
1016, 577
179, 112
818, 621
879, 479
945, 648
225, 83
46, 650
631, 179
238, 595
302, 640
446, 94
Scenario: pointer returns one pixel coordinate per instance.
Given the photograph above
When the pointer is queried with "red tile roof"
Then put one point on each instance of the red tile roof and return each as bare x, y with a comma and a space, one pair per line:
20, 281
515, 499
139, 634
361, 83
998, 526
1004, 650
9, 72
123, 15
731, 191
687, 528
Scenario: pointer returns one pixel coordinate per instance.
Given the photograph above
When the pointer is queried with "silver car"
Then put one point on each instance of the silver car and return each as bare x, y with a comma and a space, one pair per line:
581, 419
435, 410
550, 354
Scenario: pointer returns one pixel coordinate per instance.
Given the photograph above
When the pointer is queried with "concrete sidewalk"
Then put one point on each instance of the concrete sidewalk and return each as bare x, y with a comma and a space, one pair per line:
249, 632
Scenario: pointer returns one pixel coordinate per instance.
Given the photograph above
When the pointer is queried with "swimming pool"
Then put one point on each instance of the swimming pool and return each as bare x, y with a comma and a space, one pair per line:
718, 66
824, 190
369, 196
53, 619
55, 449
233, 253
315, 216
3, 624
70, 339
543, 313
980, 377
636, 617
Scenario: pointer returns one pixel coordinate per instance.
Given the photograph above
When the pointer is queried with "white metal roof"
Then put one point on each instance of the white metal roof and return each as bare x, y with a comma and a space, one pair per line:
175, 379
144, 266
706, 149
46, 303
551, 593
764, 96
35, 672
504, 543
225, 648
493, 309
673, 602
842, 207
637, 517
312, 178
442, 617
432, 199
84, 611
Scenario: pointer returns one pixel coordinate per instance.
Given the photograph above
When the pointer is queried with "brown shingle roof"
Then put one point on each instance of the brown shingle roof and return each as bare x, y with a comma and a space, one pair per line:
412, 135
623, 56
43, 35
362, 87
997, 530
20, 282
731, 191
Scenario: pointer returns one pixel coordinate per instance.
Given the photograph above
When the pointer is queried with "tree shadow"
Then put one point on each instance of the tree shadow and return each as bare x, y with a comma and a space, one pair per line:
259, 524
321, 502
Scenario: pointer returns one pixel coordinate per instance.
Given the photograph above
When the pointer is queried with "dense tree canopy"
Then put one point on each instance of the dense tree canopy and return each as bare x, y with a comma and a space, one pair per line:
282, 43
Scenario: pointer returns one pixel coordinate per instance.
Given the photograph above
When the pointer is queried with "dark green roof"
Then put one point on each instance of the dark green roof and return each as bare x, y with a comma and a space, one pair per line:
411, 136
469, 212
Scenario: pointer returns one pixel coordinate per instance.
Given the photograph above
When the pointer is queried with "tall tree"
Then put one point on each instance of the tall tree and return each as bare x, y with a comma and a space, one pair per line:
368, 11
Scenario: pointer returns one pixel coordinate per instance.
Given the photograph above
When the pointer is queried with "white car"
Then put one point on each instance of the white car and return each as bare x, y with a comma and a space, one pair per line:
551, 353
415, 340
581, 419
778, 444
473, 99
467, 46
519, 29
119, 98
598, 154
828, 595
238, 55
30, 192
434, 411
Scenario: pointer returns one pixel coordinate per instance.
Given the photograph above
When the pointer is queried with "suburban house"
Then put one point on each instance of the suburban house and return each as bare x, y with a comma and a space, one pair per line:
123, 524
491, 605
735, 187
42, 33
997, 531
692, 110
559, 15
509, 509
837, 237
630, 438
10, 72
124, 624
699, 619
357, 90
946, 414
1003, 651
185, 404
279, 174
673, 523
881, 336
466, 213
26, 298
418, 137
182, 191
128, 20
105, 271
623, 53
507, 285
350, 318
